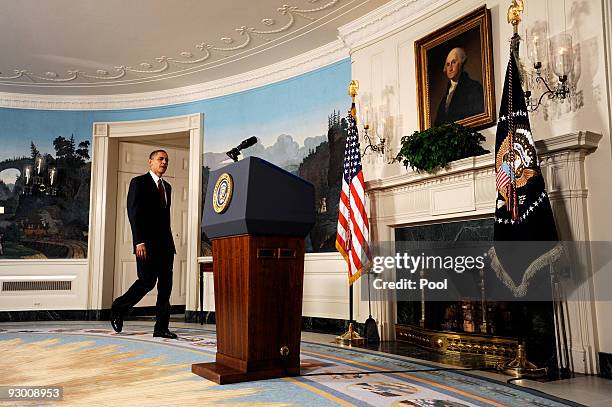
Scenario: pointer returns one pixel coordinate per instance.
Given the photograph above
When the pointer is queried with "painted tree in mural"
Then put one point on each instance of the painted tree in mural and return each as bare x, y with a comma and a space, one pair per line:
205, 244
68, 155
34, 150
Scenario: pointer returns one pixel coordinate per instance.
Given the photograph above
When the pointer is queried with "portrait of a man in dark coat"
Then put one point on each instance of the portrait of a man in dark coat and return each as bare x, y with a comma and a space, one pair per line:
464, 96
454, 73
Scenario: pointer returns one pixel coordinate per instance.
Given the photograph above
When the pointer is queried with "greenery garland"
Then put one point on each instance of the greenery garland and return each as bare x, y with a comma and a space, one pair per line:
432, 149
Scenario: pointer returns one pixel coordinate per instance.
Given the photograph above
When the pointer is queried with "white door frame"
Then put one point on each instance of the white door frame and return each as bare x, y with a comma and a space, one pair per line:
102, 216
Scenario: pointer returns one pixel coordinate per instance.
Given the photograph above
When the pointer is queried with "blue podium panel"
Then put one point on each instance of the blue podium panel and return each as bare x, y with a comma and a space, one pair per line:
258, 198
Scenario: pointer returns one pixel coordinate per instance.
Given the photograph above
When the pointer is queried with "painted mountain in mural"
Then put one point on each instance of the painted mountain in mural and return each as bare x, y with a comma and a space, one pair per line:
285, 152
319, 161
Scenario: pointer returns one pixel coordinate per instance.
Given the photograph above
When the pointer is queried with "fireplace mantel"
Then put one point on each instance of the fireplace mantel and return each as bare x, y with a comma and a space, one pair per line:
466, 189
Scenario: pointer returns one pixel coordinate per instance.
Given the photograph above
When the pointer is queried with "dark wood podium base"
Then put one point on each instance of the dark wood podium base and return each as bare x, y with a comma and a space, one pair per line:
221, 374
258, 301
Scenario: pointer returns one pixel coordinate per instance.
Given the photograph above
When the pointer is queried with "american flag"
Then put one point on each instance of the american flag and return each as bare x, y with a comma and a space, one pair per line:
503, 176
353, 228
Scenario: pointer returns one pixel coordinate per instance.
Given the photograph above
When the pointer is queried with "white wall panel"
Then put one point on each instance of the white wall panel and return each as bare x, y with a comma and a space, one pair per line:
325, 287
75, 271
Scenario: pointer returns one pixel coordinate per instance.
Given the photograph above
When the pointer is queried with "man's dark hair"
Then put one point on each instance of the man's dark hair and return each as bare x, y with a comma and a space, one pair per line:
154, 153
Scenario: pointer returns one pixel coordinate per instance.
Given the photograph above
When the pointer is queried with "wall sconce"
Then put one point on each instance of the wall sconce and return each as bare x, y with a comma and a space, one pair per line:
378, 147
36, 183
562, 63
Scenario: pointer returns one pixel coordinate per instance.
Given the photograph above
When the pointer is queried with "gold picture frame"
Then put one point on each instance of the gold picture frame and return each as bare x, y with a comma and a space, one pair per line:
463, 102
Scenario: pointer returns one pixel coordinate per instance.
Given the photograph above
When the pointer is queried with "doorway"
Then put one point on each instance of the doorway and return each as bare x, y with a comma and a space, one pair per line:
120, 152
132, 161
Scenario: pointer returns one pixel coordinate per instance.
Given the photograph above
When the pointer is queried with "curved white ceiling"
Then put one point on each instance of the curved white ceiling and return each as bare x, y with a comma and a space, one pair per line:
87, 47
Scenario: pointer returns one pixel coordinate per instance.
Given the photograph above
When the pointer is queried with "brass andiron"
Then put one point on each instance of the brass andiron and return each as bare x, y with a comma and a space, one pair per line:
350, 337
520, 367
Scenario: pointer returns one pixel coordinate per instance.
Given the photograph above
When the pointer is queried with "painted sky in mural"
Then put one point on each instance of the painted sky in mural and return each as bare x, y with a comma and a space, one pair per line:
289, 119
298, 126
19, 127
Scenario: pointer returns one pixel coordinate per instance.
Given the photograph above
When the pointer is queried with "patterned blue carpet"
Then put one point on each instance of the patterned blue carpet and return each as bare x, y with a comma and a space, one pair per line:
97, 367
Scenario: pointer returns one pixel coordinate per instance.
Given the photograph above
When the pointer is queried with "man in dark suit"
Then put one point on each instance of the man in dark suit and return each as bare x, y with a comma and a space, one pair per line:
464, 96
148, 205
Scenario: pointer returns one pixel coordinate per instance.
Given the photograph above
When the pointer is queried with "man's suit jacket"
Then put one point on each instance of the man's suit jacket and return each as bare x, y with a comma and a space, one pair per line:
467, 100
150, 222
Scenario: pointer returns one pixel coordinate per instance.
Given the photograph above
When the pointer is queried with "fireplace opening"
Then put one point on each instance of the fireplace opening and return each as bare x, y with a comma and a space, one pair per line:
473, 331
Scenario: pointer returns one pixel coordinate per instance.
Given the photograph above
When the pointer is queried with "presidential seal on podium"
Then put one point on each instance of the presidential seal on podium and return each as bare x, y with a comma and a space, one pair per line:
222, 194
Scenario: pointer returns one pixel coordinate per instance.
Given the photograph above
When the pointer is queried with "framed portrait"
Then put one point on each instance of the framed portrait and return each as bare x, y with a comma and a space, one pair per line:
454, 71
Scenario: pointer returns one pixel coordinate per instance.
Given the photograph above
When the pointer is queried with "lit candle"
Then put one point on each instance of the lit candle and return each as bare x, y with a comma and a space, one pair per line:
38, 165
381, 125
563, 54
52, 176
562, 62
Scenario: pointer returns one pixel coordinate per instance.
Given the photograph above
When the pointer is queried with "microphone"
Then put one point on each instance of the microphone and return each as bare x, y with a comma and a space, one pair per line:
234, 152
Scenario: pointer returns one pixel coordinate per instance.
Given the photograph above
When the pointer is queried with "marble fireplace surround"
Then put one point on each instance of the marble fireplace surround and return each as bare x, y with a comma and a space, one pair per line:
466, 190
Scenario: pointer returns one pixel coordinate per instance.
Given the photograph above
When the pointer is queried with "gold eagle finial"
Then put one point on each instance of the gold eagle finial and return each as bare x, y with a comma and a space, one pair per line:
514, 12
352, 91
353, 88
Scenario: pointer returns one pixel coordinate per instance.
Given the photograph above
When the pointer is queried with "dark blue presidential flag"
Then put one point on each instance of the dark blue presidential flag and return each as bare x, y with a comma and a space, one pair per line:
522, 210
526, 247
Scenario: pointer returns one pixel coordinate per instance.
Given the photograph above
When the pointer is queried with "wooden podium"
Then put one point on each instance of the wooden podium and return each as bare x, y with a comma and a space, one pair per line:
257, 216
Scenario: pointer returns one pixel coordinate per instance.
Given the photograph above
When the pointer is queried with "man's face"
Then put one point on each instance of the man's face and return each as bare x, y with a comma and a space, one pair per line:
453, 66
159, 163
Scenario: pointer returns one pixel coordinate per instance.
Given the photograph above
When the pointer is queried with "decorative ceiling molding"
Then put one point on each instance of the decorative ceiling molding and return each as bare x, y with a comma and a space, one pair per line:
387, 19
205, 55
306, 62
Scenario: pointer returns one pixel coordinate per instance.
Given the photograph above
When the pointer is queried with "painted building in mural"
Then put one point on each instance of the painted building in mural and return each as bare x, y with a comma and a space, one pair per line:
45, 165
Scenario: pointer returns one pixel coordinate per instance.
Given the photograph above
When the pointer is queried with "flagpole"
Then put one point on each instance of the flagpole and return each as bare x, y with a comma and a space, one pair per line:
350, 303
519, 366
351, 337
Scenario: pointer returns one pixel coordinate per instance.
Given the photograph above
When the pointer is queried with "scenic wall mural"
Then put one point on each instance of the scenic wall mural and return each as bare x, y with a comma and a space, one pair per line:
45, 164
300, 127
45, 172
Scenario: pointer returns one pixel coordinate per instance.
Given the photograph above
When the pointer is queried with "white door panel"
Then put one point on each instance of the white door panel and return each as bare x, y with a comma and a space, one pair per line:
180, 189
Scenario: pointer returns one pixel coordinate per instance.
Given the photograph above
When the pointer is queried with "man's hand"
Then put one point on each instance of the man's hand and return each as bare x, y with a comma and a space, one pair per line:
141, 251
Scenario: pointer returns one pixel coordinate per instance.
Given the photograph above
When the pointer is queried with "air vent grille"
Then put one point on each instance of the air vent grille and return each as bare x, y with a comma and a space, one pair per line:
42, 285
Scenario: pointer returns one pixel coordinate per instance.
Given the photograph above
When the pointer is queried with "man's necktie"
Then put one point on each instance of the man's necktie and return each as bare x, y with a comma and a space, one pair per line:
162, 193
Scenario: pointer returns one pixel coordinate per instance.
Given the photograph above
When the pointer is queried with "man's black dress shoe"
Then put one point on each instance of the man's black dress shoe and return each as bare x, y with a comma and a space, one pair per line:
116, 321
165, 334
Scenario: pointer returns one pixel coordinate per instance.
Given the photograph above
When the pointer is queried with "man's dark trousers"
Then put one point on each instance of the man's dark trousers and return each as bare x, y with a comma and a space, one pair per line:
156, 268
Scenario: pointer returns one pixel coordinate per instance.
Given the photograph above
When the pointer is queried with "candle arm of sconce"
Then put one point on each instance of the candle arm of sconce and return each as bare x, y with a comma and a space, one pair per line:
540, 79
